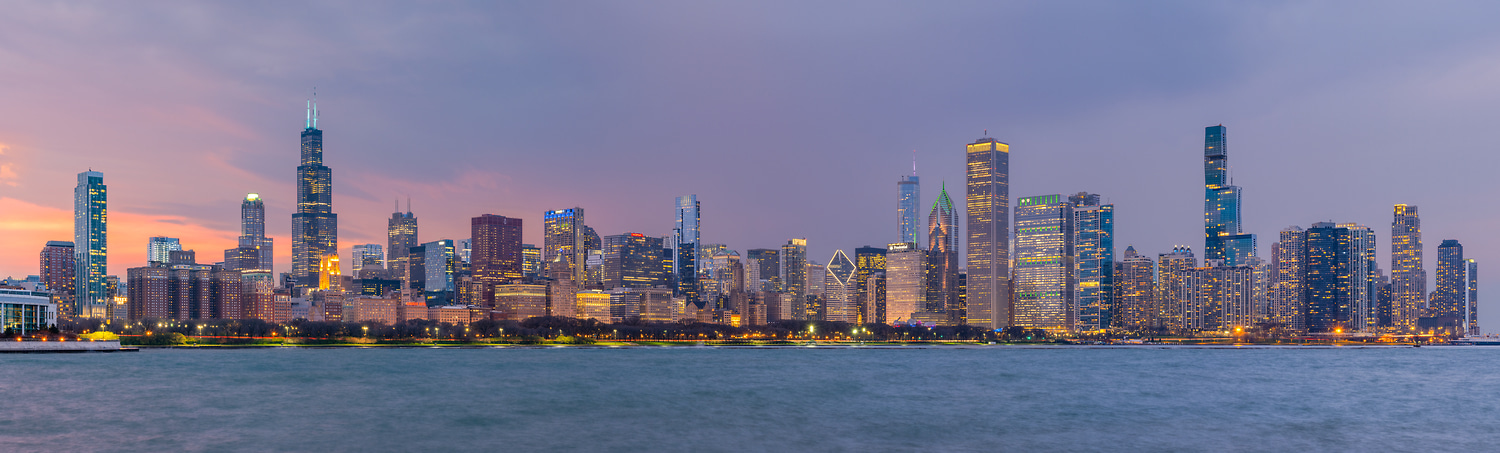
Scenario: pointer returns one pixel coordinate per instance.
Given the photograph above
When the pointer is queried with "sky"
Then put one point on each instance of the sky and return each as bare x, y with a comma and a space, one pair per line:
786, 118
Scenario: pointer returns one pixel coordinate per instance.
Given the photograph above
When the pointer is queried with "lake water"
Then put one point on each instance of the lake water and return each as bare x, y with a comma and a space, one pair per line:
993, 398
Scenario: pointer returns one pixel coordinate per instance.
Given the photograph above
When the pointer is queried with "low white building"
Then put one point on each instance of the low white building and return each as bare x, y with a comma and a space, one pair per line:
24, 311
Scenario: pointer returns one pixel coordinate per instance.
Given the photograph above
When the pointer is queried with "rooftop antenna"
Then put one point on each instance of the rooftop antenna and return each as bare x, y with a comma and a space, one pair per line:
408, 204
914, 162
315, 108
308, 124
398, 205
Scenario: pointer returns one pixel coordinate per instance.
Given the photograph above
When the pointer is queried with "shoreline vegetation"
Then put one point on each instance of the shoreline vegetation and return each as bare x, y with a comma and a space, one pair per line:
560, 331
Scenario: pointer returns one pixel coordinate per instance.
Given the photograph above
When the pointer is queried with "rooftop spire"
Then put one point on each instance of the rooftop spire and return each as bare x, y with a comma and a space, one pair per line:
914, 162
308, 124
315, 108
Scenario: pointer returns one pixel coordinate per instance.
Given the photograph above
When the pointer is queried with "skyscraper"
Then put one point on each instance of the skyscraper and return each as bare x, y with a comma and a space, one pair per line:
1288, 294
1408, 278
565, 237
987, 201
1170, 286
1471, 276
942, 258
841, 290
1338, 268
401, 236
633, 260
253, 233
1044, 264
1221, 204
159, 249
315, 228
906, 281
496, 258
1451, 294
440, 261
765, 264
90, 250
367, 257
870, 261
686, 242
1093, 267
57, 272
794, 273
1135, 289
908, 206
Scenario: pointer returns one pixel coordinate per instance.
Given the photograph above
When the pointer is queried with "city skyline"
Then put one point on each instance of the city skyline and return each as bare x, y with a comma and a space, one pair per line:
246, 156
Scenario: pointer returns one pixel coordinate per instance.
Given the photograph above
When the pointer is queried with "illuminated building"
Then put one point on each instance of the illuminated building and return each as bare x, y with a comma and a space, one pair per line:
942, 258
181, 289
593, 304
564, 234
90, 250
643, 304
520, 301
1339, 278
987, 202
905, 281
1135, 293
255, 251
315, 228
1044, 264
633, 260
1094, 257
371, 309
1221, 204
765, 267
1454, 300
561, 289
401, 236
870, 261
415, 281
794, 271
440, 267
158, 249
686, 239
909, 206
531, 261
329, 272
841, 289
258, 295
57, 274
1217, 299
1170, 286
1408, 278
496, 258
367, 257
1288, 293
23, 311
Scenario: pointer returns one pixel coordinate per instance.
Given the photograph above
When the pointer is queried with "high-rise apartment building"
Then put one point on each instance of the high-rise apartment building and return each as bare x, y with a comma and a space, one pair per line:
315, 228
942, 259
1338, 268
159, 249
440, 263
496, 258
1408, 278
1044, 264
564, 235
1170, 286
1471, 303
906, 281
687, 240
987, 202
90, 246
1135, 285
794, 269
401, 236
1288, 298
57, 274
1093, 266
1223, 239
1451, 296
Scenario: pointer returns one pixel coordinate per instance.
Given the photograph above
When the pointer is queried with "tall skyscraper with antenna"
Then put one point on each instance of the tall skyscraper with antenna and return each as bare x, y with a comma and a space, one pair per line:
401, 235
315, 228
909, 205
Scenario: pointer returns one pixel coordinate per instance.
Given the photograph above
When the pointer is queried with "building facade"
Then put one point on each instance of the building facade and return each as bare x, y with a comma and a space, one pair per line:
57, 273
1135, 293
908, 208
564, 236
315, 228
987, 202
1094, 257
496, 257
905, 281
90, 246
401, 236
1044, 271
1408, 277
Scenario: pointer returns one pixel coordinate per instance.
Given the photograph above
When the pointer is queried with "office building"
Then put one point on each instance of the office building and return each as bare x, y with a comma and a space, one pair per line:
1044, 264
1094, 261
367, 257
564, 235
315, 228
531, 261
90, 246
159, 248
987, 202
794, 269
519, 301
905, 281
942, 259
440, 268
870, 261
633, 260
258, 251
909, 206
686, 240
401, 236
765, 267
1408, 277
841, 289
496, 258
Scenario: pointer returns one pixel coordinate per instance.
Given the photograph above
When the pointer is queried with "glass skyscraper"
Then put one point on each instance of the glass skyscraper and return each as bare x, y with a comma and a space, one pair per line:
401, 236
90, 246
315, 228
564, 236
253, 240
987, 202
908, 208
1044, 264
1338, 266
440, 262
1451, 294
1221, 205
942, 259
1094, 250
159, 249
685, 245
